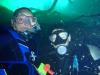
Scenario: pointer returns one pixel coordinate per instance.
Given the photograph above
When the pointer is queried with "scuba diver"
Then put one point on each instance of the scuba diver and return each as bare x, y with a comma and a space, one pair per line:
26, 26
67, 57
24, 31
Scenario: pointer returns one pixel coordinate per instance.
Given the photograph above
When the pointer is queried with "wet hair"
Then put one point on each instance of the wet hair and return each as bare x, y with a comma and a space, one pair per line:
17, 11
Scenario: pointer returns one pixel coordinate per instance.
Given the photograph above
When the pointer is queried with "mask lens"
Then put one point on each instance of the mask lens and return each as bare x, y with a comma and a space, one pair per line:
27, 20
53, 37
19, 20
63, 35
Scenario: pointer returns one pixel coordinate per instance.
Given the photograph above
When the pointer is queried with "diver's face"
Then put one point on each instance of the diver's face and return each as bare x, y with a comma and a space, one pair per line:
24, 21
